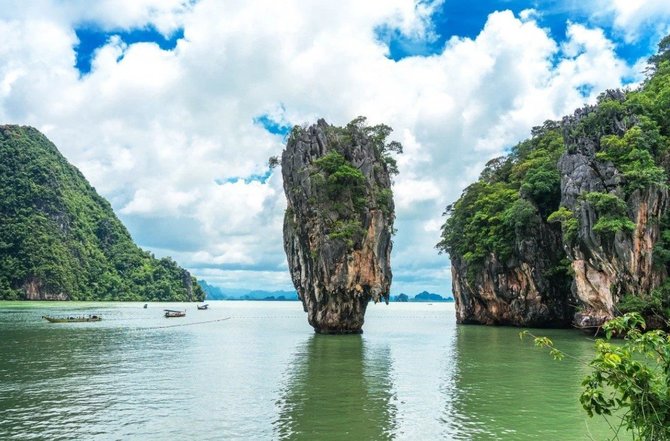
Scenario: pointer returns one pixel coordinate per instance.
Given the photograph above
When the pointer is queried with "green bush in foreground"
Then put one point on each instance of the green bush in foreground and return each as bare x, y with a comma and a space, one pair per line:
629, 382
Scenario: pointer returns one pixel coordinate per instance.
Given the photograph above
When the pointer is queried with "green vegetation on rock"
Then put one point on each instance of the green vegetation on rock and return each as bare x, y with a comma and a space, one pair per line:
596, 174
60, 240
512, 193
339, 220
568, 221
342, 192
611, 211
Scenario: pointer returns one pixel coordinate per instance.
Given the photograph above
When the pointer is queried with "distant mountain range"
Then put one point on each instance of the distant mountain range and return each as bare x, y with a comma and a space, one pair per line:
216, 293
424, 296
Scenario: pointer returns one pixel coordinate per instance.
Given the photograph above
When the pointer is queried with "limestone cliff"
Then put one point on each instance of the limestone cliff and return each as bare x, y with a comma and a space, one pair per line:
339, 220
602, 175
607, 263
524, 289
507, 262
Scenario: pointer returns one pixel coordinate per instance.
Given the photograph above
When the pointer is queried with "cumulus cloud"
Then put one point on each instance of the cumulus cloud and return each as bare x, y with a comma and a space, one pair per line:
632, 17
164, 134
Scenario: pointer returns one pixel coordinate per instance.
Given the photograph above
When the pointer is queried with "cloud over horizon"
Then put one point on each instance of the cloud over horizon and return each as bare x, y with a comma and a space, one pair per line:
176, 138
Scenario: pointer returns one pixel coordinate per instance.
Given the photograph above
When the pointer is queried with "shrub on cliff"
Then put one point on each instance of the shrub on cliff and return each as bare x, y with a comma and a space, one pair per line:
500, 206
342, 192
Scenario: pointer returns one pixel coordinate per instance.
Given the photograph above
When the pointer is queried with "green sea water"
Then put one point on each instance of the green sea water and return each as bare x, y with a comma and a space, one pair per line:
256, 371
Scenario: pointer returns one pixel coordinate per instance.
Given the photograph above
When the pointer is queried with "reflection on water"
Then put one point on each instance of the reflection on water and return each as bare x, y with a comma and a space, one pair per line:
264, 374
507, 389
338, 388
71, 382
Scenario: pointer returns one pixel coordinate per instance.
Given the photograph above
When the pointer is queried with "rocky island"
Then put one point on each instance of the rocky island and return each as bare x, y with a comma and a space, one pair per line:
339, 220
573, 225
60, 240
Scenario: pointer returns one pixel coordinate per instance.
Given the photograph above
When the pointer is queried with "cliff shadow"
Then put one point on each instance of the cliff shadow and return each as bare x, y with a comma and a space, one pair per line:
338, 387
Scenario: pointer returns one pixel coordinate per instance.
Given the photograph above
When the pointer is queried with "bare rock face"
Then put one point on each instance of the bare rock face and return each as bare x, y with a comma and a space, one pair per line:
612, 205
339, 221
607, 266
35, 290
520, 291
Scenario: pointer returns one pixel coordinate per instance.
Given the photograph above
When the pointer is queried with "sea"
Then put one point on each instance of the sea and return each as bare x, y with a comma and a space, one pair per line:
255, 370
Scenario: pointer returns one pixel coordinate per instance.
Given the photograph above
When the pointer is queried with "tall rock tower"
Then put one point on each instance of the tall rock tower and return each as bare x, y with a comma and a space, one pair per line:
339, 220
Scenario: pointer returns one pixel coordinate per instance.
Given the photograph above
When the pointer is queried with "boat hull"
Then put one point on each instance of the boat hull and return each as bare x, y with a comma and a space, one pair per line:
93, 318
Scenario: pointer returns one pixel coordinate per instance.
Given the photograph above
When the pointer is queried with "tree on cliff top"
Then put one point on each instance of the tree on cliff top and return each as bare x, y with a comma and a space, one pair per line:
663, 53
510, 192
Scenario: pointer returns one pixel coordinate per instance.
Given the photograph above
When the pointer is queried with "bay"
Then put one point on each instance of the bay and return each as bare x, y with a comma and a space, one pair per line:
256, 371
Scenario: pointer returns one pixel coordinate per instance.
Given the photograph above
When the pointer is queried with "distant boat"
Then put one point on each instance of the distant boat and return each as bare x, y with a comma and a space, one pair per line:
169, 313
201, 307
73, 319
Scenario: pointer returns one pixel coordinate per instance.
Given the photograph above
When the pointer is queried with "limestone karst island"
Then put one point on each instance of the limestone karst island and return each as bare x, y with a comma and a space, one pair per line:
572, 226
391, 220
62, 241
339, 220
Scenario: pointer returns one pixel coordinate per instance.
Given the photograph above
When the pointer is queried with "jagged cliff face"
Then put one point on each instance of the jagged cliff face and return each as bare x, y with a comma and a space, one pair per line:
338, 224
515, 266
523, 290
602, 174
507, 262
607, 266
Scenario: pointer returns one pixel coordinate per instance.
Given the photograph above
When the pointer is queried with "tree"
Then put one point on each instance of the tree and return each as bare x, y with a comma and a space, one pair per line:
663, 53
629, 381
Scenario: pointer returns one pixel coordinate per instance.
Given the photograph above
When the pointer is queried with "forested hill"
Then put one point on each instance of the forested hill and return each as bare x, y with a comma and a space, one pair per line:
574, 224
60, 240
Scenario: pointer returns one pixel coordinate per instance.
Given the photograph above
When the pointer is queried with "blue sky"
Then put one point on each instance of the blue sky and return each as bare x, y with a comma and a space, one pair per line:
466, 19
171, 108
457, 18
92, 37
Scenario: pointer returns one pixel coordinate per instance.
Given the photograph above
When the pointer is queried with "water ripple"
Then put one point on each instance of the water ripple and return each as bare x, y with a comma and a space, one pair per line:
412, 375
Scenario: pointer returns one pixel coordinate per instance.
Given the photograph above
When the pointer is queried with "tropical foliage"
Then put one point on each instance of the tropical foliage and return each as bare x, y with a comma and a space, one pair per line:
629, 383
628, 129
342, 191
512, 194
59, 236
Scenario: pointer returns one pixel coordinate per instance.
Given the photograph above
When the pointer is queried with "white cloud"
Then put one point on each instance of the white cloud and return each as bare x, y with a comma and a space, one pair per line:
632, 17
162, 133
165, 15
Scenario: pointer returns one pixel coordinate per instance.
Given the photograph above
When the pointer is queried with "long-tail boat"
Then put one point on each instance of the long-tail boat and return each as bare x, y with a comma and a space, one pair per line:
73, 319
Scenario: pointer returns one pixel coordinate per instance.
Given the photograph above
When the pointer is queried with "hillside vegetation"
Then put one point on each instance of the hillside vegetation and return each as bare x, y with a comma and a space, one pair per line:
59, 239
